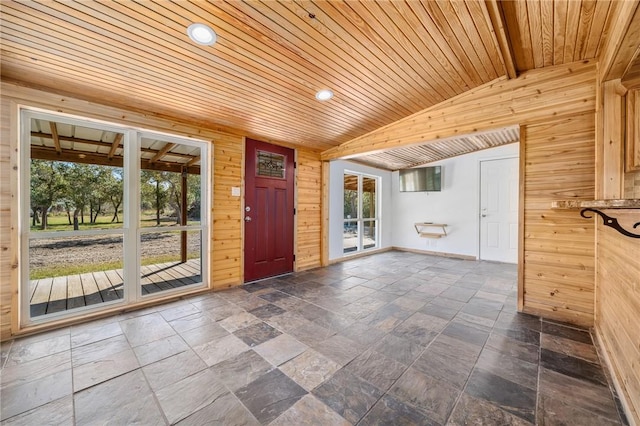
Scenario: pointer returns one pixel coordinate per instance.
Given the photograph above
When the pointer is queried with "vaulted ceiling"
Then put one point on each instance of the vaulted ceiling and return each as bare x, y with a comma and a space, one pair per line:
383, 60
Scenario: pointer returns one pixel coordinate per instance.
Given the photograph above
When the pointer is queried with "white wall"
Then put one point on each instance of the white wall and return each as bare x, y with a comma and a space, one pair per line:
336, 204
457, 205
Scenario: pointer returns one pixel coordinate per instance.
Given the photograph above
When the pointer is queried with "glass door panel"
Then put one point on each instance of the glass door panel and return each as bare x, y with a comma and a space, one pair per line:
170, 215
73, 219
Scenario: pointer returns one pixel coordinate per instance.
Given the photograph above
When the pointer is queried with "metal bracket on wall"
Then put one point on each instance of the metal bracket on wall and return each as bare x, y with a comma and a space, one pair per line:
611, 222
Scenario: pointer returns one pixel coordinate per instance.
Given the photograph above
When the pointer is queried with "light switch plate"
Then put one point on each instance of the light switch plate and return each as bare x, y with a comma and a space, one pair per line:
235, 191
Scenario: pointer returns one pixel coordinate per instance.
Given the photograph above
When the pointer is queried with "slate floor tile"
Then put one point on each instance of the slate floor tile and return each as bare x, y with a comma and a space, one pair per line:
58, 412
404, 351
476, 411
206, 333
309, 369
431, 395
569, 347
578, 393
267, 311
39, 346
189, 395
103, 369
376, 368
257, 333
578, 335
226, 410
238, 321
466, 333
513, 347
189, 322
274, 296
389, 411
510, 368
146, 328
503, 393
25, 396
221, 349
439, 311
270, 395
124, 400
311, 334
240, 370
348, 395
553, 411
172, 369
437, 361
160, 349
309, 410
340, 349
93, 332
574, 367
280, 349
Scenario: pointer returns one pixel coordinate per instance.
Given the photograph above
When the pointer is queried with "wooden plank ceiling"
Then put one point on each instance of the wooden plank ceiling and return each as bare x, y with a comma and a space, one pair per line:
383, 60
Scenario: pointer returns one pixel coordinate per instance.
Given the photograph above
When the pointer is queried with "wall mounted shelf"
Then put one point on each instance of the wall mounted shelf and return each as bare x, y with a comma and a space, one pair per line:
426, 229
594, 206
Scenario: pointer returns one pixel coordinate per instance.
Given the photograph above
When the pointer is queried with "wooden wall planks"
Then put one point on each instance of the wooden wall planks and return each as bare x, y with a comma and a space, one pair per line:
228, 172
618, 305
308, 210
559, 244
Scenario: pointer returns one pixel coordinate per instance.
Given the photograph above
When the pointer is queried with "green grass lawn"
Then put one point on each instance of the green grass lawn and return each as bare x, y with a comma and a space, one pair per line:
60, 222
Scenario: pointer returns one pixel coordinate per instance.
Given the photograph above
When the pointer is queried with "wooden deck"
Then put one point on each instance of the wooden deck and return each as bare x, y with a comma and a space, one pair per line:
57, 294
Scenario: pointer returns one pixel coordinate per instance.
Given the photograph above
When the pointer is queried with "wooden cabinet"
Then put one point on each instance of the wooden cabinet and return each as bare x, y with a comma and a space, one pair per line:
632, 146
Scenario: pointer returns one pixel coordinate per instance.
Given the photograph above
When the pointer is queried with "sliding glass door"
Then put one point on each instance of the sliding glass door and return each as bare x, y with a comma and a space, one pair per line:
360, 231
109, 215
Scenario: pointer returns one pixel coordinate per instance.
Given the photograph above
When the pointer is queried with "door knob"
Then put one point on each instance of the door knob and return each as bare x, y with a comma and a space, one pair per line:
247, 219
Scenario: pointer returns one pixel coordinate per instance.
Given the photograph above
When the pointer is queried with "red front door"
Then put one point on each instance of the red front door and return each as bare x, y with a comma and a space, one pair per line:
269, 180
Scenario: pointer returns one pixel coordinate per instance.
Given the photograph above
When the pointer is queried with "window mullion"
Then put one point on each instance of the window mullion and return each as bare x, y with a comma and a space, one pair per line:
131, 215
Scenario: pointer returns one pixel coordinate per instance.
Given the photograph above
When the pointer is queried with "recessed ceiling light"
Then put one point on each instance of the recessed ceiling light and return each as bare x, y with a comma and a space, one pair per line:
202, 34
324, 95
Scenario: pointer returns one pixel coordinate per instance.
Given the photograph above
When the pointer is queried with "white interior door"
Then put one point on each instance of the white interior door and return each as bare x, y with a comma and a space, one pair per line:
499, 210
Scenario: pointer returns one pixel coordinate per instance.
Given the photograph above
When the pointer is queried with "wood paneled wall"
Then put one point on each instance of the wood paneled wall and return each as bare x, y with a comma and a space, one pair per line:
228, 172
558, 267
618, 305
308, 210
555, 108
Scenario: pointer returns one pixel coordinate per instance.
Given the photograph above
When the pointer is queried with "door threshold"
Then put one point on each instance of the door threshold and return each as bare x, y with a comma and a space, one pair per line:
268, 278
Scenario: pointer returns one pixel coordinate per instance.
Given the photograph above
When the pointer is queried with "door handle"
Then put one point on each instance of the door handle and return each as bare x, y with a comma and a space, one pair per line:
247, 219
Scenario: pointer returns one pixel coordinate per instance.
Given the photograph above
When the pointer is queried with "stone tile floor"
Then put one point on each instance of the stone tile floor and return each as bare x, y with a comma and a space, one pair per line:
393, 338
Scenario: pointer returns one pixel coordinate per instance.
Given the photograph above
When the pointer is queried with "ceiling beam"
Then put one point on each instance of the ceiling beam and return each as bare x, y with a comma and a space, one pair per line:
100, 143
115, 145
168, 147
193, 161
55, 137
623, 43
47, 153
496, 19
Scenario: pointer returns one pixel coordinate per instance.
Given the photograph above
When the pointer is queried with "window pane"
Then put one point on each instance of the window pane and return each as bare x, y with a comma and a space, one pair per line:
350, 236
76, 177
163, 266
71, 272
369, 234
369, 197
169, 184
350, 196
269, 164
